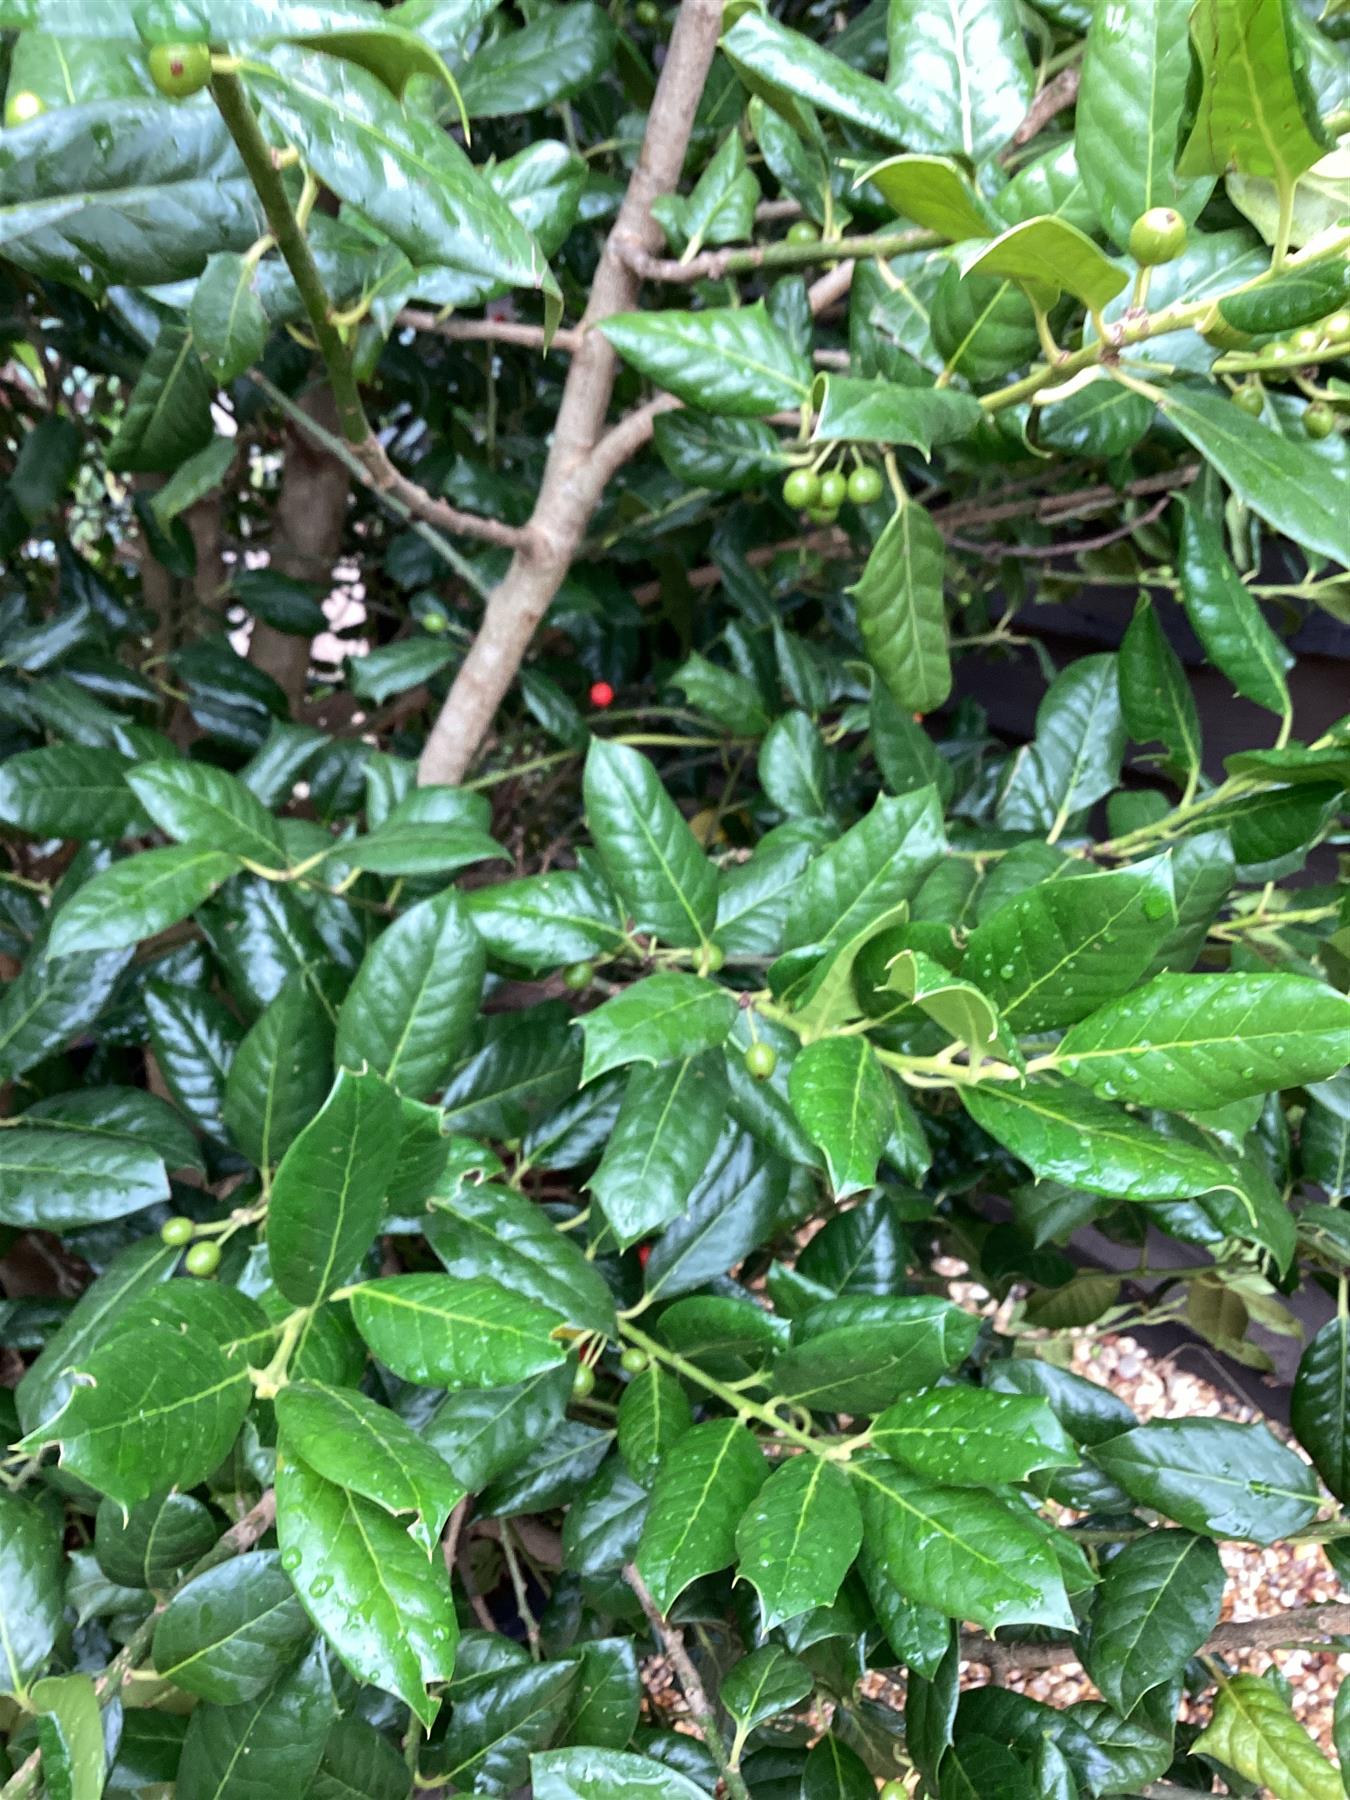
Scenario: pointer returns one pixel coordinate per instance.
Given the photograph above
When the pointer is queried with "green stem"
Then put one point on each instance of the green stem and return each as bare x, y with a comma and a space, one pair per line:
255, 152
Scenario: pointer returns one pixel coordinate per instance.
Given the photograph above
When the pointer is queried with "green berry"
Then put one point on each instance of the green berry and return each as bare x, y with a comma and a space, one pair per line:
761, 1060
583, 1382
180, 69
178, 1230
833, 491
801, 489
894, 1790
23, 106
1319, 420
203, 1258
1336, 327
1250, 398
864, 486
647, 13
633, 1361
1157, 236
434, 623
822, 515
803, 232
713, 958
1306, 342
579, 976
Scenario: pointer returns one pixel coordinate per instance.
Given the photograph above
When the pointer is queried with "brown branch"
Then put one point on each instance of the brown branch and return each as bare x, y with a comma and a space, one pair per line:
1298, 1625
384, 479
671, 1641
1059, 92
713, 265
566, 341
1044, 552
573, 476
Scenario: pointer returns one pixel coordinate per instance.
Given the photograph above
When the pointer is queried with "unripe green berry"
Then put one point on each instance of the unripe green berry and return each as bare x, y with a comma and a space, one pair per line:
1319, 421
583, 1382
1157, 236
801, 489
434, 623
23, 106
633, 1361
803, 232
1250, 398
864, 486
203, 1258
713, 958
761, 1060
894, 1790
180, 69
822, 515
579, 976
833, 491
1306, 342
178, 1230
1336, 327
647, 13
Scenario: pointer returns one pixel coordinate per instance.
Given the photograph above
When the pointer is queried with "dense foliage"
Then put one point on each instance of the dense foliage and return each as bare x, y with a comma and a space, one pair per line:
482, 1252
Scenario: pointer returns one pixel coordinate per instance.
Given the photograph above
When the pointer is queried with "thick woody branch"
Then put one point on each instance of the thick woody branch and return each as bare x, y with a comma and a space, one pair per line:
1300, 1625
574, 476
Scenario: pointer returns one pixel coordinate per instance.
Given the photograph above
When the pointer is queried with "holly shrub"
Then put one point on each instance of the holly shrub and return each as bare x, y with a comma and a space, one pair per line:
557, 1070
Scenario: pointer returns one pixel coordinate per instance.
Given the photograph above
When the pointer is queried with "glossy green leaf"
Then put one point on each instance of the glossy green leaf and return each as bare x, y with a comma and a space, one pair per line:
500, 1719
1197, 1041
960, 73
1158, 1601
347, 1439
1226, 618
1324, 1141
481, 1229
653, 1413
56, 1180
701, 1492
589, 1774
545, 921
68, 790
367, 1586
558, 55
665, 1132
440, 1332
963, 1552
194, 1036
1250, 106
199, 804
1047, 257
843, 1101
792, 766
766, 1682
834, 1772
229, 325
31, 1590
787, 69
228, 1634
936, 193
884, 412
901, 613
358, 1760
726, 455
969, 1437
663, 1018
1297, 297
273, 1740
414, 997
1254, 1733
721, 208
657, 866
139, 896
1284, 481
328, 1195
406, 175
149, 1411
1057, 951
1074, 759
1214, 1476
51, 1001
727, 360
859, 1353
151, 1545
798, 1539
1155, 696
168, 415
279, 1078
482, 1433
1130, 100
70, 1736
958, 1006
1319, 1407
864, 874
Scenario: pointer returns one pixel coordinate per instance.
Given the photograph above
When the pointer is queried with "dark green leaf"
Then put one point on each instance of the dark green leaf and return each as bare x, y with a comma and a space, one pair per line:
55, 1180
138, 897
199, 804
961, 75
1226, 618
702, 1490
730, 360
663, 1018
799, 1537
843, 1100
227, 1635
656, 864
665, 1132
1216, 1477
439, 1332
1155, 696
1319, 1407
279, 1078
969, 1437
901, 613
31, 1590
1158, 1602
481, 1229
272, 1741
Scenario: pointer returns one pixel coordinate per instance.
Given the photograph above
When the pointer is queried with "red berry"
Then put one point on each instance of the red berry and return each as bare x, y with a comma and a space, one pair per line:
644, 1251
602, 694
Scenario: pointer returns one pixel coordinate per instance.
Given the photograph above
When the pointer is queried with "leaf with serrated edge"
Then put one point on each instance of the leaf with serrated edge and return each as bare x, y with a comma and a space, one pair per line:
1254, 1733
798, 1539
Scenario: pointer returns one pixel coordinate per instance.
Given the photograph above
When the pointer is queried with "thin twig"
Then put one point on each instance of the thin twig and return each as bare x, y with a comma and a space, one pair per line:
714, 265
1076, 547
671, 1641
1060, 91
517, 1575
1297, 1626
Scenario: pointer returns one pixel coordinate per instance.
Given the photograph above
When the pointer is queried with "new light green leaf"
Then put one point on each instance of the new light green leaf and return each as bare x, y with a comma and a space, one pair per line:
70, 1735
1049, 256
936, 193
1255, 1734
328, 1195
1191, 1042
702, 1490
385, 1609
733, 360
440, 1332
957, 1005
1251, 106
901, 613
797, 1541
